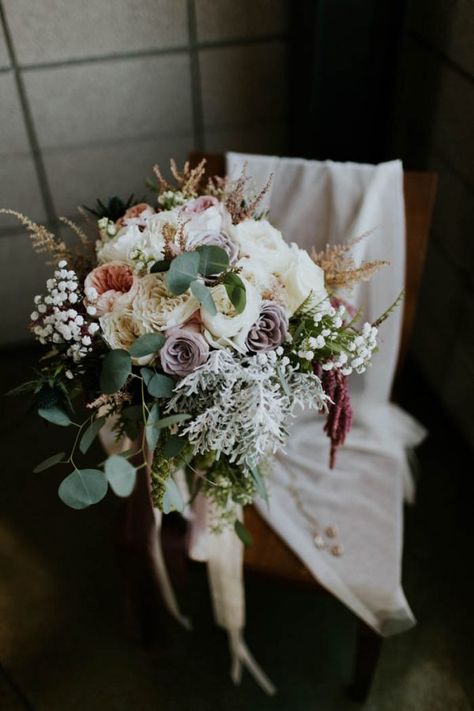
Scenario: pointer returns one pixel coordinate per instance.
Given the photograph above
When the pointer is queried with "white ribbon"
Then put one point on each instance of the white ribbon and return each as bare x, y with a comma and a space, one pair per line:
224, 555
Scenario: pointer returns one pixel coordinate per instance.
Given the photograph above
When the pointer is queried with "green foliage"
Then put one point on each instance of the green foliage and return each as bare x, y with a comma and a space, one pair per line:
49, 462
83, 488
183, 270
235, 291
158, 385
243, 533
113, 209
171, 420
56, 415
162, 266
259, 482
160, 472
203, 294
152, 432
91, 433
173, 446
116, 367
212, 260
147, 344
120, 474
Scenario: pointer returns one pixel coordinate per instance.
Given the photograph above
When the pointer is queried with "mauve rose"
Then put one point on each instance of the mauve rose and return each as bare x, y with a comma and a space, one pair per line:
183, 352
270, 330
217, 239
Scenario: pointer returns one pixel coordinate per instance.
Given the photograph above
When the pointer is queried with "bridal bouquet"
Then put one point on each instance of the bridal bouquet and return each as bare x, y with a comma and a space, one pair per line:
192, 328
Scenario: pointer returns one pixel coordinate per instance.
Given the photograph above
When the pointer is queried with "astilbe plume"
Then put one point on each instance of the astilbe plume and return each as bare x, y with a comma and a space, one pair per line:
339, 411
340, 270
235, 195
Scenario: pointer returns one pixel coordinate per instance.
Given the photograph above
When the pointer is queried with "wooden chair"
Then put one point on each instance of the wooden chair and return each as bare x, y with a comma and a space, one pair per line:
269, 556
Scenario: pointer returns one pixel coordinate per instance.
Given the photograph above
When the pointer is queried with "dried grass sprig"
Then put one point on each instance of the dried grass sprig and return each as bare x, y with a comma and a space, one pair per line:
390, 309
234, 194
340, 270
43, 241
187, 181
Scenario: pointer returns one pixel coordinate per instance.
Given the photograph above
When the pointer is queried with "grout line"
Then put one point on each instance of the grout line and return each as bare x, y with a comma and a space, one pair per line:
196, 89
158, 52
442, 56
16, 689
29, 123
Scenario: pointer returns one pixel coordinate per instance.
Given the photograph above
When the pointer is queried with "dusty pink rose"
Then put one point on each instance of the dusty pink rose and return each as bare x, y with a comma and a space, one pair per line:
200, 204
115, 284
133, 216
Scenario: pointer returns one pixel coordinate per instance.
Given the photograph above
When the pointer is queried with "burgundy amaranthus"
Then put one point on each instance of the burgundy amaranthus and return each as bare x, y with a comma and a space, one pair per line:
339, 416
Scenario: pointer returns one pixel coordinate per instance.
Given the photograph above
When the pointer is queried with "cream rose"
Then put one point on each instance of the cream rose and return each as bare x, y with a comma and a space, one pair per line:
118, 248
155, 309
257, 239
228, 327
119, 329
301, 277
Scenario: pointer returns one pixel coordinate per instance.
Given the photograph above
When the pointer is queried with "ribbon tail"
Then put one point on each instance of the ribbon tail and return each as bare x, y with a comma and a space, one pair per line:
225, 573
242, 657
169, 597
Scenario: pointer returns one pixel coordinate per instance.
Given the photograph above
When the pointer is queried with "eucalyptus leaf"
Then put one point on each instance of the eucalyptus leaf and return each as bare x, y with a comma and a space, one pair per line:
147, 344
172, 499
212, 259
116, 368
152, 432
235, 288
162, 266
49, 462
243, 533
158, 385
55, 414
173, 446
91, 433
83, 488
183, 270
203, 294
171, 420
120, 474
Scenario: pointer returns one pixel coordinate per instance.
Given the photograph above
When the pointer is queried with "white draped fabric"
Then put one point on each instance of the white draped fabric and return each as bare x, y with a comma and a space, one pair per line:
313, 204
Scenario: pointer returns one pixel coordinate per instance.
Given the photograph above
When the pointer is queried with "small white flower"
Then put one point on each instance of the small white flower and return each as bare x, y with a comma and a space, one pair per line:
91, 310
93, 328
69, 375
34, 315
309, 355
62, 264
86, 340
73, 298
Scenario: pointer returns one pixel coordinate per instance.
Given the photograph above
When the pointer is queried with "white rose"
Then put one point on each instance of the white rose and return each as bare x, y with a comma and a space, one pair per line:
228, 327
155, 309
120, 246
302, 277
214, 219
257, 239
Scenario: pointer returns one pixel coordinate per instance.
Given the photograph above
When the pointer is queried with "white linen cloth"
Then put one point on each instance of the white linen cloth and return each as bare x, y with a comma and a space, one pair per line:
313, 204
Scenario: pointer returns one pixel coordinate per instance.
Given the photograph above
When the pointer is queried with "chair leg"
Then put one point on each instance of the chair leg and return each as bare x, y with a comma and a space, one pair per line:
367, 652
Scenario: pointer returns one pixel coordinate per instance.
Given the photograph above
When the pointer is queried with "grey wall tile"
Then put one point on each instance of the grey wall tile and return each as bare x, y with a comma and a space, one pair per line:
56, 30
266, 138
449, 26
17, 295
79, 176
81, 104
438, 315
228, 19
243, 84
4, 56
19, 189
13, 137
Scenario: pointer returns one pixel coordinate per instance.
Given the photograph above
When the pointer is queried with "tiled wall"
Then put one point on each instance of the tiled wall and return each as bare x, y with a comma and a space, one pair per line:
437, 132
94, 92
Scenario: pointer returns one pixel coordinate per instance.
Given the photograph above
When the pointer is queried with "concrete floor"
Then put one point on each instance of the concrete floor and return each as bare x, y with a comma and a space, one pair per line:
64, 645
